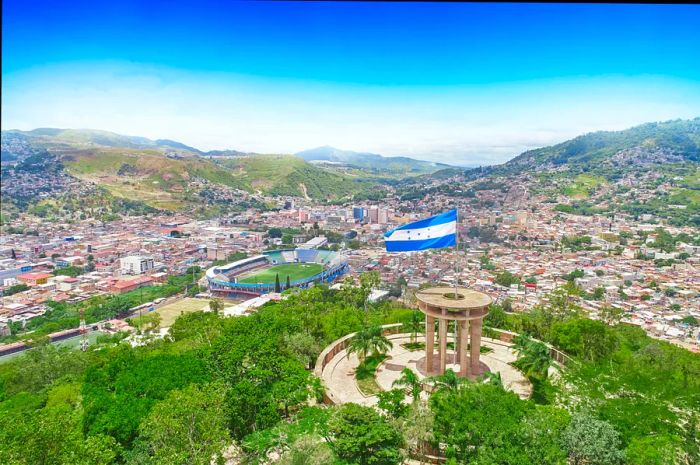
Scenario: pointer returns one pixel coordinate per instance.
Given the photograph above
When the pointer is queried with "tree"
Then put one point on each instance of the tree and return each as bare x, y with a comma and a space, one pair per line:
307, 450
589, 339
410, 380
216, 305
392, 402
540, 435
417, 427
506, 278
611, 315
533, 357
370, 339
592, 441
414, 324
360, 435
304, 347
278, 288
493, 378
659, 450
477, 419
496, 317
16, 288
448, 381
368, 281
188, 426
289, 284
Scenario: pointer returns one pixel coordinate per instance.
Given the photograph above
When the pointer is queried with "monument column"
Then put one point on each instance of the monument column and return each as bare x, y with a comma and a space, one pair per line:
443, 345
429, 342
475, 345
468, 308
458, 340
464, 370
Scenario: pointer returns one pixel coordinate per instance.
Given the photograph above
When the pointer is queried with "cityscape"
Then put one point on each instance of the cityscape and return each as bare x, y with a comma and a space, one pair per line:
487, 270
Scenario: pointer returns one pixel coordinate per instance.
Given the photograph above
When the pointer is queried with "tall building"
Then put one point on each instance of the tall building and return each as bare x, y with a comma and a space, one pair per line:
373, 215
383, 216
136, 264
358, 213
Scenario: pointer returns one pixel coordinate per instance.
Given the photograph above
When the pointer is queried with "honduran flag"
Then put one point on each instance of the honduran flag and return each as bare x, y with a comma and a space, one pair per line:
435, 232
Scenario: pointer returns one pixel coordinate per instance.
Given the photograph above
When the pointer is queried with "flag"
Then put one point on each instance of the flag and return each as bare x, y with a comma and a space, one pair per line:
435, 232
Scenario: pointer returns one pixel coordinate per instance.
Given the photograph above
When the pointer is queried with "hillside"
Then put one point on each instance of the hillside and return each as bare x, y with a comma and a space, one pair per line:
165, 174
289, 175
651, 169
371, 161
651, 143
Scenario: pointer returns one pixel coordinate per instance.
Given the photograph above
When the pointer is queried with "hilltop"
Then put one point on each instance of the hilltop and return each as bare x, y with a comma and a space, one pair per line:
372, 161
647, 144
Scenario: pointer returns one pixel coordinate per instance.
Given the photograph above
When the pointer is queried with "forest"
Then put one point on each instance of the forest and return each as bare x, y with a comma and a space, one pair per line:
241, 390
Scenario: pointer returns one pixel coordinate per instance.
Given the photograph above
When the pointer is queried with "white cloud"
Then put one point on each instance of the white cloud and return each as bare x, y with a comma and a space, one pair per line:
464, 125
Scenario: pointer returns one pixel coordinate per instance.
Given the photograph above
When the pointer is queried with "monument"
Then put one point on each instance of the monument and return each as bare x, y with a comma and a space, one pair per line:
467, 308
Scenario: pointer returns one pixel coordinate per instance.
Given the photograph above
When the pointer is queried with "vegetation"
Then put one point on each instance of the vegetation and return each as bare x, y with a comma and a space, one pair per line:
625, 398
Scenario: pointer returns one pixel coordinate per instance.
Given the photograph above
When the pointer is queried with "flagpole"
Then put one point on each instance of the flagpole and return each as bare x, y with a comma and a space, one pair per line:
454, 361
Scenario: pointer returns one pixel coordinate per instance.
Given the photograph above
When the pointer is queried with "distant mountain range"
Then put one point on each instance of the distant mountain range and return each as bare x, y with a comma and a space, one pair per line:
163, 173
371, 161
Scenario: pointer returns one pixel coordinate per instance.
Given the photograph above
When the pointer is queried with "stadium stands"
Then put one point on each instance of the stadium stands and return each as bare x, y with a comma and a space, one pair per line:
307, 255
223, 280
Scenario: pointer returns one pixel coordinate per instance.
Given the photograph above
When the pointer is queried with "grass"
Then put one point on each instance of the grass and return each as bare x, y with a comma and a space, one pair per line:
295, 271
152, 177
583, 186
365, 375
169, 313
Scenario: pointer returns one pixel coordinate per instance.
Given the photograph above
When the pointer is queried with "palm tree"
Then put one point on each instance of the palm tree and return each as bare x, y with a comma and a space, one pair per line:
492, 378
360, 344
448, 381
533, 358
369, 339
411, 381
414, 325
379, 343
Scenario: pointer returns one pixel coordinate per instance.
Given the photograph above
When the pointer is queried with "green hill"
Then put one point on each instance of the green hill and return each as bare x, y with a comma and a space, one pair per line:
651, 143
166, 174
290, 175
651, 169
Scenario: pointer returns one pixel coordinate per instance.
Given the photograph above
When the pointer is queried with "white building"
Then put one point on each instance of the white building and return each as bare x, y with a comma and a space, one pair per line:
136, 264
316, 242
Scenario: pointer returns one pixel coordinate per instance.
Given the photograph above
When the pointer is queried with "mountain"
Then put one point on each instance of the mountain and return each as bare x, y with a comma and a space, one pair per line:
166, 174
652, 169
371, 161
651, 143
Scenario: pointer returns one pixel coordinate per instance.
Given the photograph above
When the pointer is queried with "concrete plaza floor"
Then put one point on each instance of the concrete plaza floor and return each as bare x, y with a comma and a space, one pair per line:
339, 374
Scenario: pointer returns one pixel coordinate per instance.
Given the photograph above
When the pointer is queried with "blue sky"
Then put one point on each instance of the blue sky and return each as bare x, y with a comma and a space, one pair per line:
461, 83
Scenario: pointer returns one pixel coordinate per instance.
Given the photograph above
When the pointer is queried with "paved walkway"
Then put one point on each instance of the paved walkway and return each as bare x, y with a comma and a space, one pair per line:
339, 374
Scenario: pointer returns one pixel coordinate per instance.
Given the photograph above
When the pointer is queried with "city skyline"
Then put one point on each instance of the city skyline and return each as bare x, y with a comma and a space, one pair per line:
458, 83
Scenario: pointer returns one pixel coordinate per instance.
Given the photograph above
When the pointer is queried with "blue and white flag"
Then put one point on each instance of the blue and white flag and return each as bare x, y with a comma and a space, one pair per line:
435, 232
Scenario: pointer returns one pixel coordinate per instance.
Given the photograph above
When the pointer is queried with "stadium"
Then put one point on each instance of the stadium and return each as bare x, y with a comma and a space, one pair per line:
255, 276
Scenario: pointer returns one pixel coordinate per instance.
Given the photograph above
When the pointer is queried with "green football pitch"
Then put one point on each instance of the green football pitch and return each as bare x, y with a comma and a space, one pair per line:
293, 270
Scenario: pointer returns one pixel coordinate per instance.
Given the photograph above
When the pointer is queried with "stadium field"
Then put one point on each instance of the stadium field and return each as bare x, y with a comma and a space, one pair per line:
293, 270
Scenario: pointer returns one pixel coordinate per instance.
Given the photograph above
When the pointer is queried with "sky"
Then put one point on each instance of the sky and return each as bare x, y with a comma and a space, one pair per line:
460, 83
